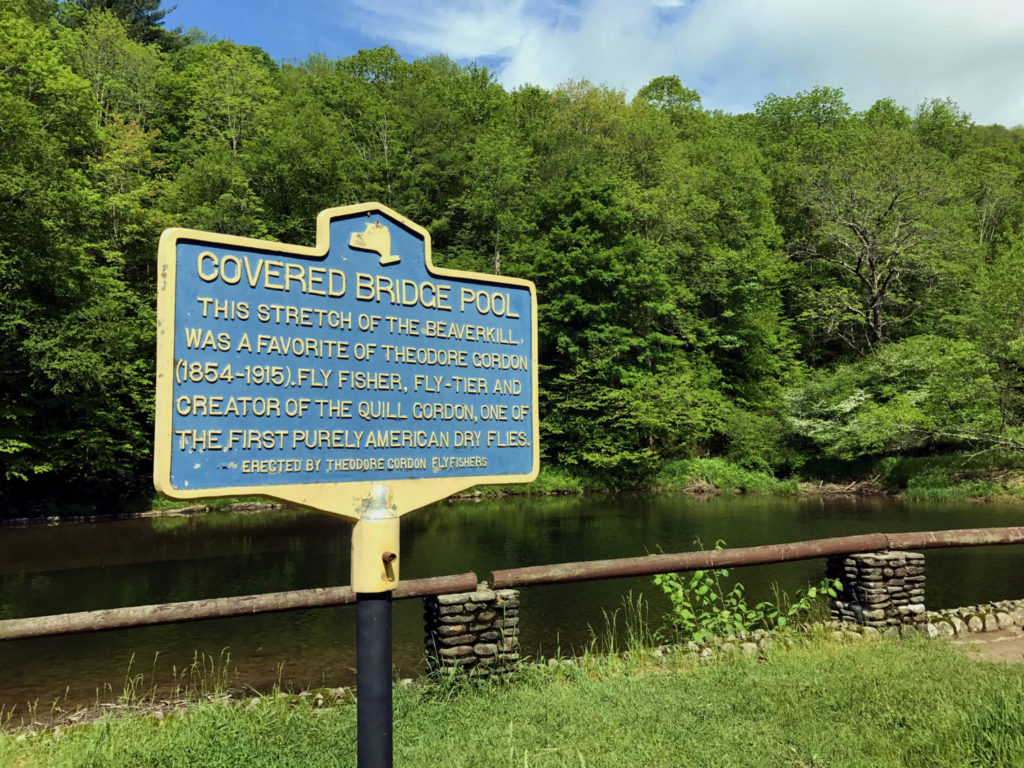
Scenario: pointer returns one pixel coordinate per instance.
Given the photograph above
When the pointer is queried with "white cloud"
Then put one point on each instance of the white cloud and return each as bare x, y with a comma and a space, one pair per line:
465, 29
735, 52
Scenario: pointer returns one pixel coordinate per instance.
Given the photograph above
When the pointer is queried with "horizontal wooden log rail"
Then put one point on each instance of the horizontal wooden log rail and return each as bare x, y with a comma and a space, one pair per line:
192, 610
218, 608
743, 556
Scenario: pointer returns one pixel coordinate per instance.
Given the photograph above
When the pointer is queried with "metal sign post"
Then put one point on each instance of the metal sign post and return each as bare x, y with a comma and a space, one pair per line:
374, 732
374, 574
351, 377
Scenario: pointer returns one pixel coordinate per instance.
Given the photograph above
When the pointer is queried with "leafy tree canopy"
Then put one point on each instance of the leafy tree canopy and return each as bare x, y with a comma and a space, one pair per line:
800, 282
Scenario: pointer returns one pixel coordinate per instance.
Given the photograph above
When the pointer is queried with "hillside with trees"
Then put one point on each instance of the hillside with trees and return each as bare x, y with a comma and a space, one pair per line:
792, 289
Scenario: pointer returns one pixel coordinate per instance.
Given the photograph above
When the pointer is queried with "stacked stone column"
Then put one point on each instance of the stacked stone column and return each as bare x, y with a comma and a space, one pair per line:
475, 634
882, 590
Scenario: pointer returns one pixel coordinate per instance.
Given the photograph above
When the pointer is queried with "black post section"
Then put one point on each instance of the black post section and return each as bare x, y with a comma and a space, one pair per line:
373, 680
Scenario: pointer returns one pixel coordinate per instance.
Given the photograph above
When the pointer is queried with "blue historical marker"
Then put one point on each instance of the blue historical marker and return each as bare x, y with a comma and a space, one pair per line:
311, 374
352, 377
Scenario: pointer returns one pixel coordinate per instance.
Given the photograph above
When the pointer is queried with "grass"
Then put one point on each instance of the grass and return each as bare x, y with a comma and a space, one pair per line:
720, 474
550, 480
952, 477
986, 475
959, 476
205, 677
928, 490
160, 503
827, 704
627, 629
675, 475
224, 519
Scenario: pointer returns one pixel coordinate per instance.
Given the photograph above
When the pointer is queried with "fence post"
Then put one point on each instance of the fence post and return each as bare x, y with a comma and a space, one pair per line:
474, 634
882, 590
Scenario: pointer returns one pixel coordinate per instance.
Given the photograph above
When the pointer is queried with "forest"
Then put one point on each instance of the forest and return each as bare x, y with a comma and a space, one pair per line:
799, 287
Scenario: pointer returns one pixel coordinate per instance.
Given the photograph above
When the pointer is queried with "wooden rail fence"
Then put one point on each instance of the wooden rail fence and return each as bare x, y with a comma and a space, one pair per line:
193, 610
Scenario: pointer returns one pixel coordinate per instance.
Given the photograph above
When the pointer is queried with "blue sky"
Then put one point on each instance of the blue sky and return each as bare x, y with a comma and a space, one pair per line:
733, 52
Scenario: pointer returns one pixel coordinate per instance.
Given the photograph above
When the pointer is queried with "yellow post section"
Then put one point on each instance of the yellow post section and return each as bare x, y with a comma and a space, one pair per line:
375, 553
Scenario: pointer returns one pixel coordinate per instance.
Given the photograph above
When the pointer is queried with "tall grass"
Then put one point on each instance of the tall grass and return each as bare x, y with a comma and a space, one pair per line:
674, 475
550, 480
720, 474
207, 677
954, 476
627, 629
951, 476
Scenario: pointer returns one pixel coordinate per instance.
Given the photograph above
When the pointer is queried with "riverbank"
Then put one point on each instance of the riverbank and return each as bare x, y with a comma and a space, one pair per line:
989, 477
822, 704
950, 477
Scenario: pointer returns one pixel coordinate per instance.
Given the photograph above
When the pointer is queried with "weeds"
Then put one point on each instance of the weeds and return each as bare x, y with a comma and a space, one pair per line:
703, 608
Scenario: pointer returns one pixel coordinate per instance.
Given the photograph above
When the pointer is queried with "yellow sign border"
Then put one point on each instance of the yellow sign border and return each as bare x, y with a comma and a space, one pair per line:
346, 499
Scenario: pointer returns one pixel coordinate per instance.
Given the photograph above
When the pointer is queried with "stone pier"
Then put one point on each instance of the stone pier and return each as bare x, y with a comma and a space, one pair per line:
472, 633
883, 590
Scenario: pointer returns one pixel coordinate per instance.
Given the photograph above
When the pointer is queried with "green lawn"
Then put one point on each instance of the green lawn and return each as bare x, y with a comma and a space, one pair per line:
870, 705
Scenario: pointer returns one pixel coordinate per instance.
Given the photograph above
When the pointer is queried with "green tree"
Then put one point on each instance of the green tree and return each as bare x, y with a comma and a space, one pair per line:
441, 110
872, 216
682, 105
366, 102
75, 340
229, 86
885, 113
795, 133
143, 19
801, 281
924, 391
228, 90
213, 192
122, 73
495, 208
941, 125
126, 175
994, 321
612, 351
992, 175
302, 158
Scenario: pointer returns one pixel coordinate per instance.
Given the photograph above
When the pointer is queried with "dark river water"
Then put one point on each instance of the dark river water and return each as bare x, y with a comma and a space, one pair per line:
81, 567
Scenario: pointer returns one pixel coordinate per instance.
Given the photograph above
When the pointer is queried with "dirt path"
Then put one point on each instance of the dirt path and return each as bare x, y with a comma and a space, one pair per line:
1005, 646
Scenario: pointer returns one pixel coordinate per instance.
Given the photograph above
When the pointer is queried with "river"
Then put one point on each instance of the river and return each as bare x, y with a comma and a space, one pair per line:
88, 566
